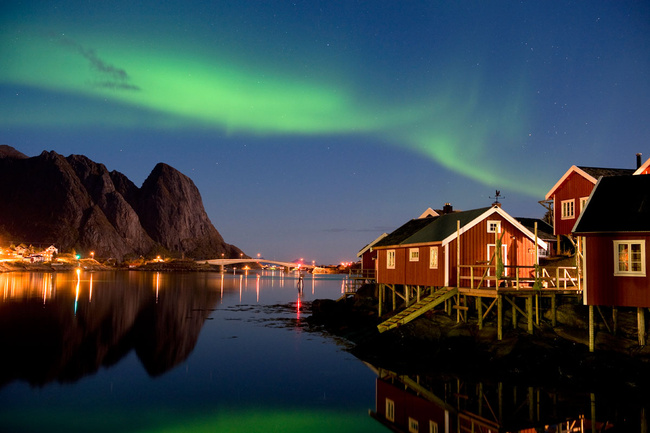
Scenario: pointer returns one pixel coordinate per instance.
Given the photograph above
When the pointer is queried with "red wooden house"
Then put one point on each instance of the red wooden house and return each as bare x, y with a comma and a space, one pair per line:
368, 255
569, 195
423, 252
616, 230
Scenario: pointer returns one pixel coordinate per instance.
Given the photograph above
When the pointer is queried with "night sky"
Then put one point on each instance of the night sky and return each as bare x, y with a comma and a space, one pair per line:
311, 127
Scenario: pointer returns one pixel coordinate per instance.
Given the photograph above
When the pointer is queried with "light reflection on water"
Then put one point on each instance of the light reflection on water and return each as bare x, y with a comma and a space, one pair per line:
150, 351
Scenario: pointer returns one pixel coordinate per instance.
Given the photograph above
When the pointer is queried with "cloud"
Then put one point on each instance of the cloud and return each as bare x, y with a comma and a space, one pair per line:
109, 76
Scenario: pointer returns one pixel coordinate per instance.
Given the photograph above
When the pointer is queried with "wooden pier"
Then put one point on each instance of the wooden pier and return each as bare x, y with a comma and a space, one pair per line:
525, 290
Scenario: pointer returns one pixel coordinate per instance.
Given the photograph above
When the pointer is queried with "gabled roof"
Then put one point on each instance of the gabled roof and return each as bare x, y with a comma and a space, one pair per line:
371, 244
617, 204
429, 213
443, 229
444, 226
643, 167
544, 229
590, 173
396, 237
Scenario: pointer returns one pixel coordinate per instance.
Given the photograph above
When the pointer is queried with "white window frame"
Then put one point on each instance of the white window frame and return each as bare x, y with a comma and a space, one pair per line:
433, 257
583, 203
642, 258
433, 426
414, 254
414, 425
568, 209
390, 259
390, 410
494, 226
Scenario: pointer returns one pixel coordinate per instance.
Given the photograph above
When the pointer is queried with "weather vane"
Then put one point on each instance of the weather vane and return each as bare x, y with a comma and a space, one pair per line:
497, 196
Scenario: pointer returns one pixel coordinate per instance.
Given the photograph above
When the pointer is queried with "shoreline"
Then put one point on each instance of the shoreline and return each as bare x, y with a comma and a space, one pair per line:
436, 343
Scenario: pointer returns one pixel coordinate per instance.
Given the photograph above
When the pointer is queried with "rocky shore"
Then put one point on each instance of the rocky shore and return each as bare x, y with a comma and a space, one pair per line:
435, 342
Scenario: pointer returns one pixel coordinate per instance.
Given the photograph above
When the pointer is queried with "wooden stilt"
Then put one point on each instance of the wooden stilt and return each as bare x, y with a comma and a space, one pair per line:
640, 316
379, 289
394, 298
514, 312
615, 319
531, 404
479, 310
537, 310
592, 333
529, 310
499, 317
553, 311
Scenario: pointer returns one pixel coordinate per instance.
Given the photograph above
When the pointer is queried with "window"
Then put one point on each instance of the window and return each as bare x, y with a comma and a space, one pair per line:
414, 254
433, 427
629, 258
568, 209
494, 226
433, 258
390, 410
390, 259
414, 426
583, 203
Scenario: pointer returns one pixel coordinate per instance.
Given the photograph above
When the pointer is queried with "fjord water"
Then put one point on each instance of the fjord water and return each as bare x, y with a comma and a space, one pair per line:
147, 352
174, 352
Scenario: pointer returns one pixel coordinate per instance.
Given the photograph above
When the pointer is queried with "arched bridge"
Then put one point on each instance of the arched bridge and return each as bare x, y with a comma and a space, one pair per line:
226, 262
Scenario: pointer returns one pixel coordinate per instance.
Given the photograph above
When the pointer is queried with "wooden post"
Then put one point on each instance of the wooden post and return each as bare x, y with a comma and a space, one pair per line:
615, 319
537, 309
380, 298
529, 310
499, 317
553, 311
641, 325
394, 297
592, 334
514, 312
479, 309
457, 253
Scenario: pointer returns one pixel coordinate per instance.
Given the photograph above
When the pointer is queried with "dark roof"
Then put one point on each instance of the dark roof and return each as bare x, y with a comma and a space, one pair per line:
432, 229
617, 204
444, 226
597, 172
544, 230
396, 237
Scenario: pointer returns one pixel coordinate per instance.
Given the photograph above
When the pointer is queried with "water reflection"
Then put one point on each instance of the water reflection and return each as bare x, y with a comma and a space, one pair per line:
62, 326
438, 404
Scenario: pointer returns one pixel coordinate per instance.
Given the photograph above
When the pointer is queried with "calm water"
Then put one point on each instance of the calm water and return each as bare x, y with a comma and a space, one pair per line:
161, 352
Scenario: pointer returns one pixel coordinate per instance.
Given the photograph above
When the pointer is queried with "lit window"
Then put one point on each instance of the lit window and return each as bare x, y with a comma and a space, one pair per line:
414, 426
390, 259
433, 258
629, 258
433, 427
390, 410
494, 226
568, 209
414, 254
583, 203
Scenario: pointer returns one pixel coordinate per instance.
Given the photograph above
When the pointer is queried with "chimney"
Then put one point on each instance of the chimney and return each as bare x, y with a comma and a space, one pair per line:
447, 208
638, 160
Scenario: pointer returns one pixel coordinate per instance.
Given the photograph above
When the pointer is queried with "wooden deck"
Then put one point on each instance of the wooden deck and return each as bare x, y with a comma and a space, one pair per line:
484, 293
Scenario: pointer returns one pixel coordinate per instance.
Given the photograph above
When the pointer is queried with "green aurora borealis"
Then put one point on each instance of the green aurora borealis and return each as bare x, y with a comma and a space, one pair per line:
445, 123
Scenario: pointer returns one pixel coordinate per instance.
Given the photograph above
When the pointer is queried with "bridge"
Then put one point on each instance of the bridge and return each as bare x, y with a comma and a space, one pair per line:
227, 262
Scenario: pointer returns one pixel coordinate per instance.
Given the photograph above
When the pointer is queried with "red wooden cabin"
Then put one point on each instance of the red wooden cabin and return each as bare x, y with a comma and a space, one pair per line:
570, 194
423, 251
615, 227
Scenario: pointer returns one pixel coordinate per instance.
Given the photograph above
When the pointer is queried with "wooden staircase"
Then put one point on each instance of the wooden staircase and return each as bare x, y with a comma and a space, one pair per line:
417, 309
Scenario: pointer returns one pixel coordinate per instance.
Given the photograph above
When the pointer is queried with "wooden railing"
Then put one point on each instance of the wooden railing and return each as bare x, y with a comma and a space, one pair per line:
484, 276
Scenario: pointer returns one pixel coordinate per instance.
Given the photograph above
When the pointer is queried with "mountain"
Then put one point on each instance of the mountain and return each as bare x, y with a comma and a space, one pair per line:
75, 203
